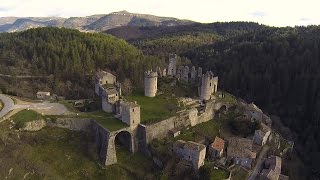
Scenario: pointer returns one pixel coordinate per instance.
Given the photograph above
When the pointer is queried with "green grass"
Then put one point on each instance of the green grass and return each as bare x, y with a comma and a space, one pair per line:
154, 109
107, 120
207, 130
219, 174
24, 116
228, 98
136, 164
239, 174
56, 153
69, 104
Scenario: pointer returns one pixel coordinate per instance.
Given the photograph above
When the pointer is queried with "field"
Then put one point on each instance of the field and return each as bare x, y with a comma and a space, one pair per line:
154, 109
55, 153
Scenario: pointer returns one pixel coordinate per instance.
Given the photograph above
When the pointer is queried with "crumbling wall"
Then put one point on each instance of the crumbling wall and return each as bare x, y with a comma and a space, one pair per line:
74, 124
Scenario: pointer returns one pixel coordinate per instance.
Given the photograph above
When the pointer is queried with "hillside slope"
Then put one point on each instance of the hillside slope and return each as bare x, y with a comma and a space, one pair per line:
160, 40
69, 55
277, 68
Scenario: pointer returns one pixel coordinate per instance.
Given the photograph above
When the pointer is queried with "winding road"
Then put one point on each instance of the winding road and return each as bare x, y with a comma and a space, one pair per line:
8, 105
45, 108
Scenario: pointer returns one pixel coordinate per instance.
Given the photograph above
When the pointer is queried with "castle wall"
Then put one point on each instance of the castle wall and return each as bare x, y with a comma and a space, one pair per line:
107, 107
190, 117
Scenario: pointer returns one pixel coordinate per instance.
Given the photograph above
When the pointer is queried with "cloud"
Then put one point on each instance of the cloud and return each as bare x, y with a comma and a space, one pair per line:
259, 14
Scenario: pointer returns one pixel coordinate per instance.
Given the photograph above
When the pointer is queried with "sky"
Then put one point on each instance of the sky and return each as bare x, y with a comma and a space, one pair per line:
269, 12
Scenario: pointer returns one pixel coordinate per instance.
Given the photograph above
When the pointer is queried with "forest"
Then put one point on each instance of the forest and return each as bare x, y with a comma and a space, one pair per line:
278, 69
70, 58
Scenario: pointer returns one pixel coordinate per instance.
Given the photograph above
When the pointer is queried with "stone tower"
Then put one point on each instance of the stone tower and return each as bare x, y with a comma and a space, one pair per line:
150, 83
209, 85
172, 67
130, 113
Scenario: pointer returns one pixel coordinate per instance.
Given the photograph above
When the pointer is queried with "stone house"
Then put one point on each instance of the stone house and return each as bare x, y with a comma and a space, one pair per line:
43, 95
240, 150
216, 148
272, 169
261, 136
109, 97
102, 78
190, 151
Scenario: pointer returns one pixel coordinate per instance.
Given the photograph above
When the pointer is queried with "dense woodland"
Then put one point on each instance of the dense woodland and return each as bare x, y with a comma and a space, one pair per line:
278, 69
162, 41
69, 58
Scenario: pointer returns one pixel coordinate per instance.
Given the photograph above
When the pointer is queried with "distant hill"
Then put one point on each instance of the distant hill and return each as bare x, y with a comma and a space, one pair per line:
99, 22
164, 40
225, 29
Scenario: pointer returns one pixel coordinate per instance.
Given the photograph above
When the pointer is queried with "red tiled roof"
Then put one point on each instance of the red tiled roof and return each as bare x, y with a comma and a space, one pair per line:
218, 144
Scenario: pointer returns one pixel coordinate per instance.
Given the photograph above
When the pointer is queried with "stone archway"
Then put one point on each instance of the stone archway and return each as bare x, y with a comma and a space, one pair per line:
124, 139
223, 108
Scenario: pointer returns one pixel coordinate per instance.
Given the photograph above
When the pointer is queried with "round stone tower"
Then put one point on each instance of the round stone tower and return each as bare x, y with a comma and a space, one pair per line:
206, 86
150, 83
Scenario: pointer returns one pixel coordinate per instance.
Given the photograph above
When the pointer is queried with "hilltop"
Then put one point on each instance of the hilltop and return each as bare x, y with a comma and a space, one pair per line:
99, 22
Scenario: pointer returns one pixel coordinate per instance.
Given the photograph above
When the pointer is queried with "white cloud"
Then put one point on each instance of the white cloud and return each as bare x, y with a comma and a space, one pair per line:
270, 12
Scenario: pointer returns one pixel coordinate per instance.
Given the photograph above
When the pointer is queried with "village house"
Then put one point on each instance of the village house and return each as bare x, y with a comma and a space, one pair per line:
261, 136
216, 148
174, 132
272, 170
240, 150
43, 95
190, 151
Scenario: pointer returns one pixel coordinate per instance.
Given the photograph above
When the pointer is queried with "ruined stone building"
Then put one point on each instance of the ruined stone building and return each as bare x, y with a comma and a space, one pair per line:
241, 151
150, 83
104, 78
216, 148
130, 113
109, 97
172, 66
107, 87
272, 169
190, 151
261, 135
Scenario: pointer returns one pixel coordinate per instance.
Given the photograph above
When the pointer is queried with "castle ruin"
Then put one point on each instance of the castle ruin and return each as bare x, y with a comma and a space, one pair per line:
150, 83
136, 136
208, 86
172, 66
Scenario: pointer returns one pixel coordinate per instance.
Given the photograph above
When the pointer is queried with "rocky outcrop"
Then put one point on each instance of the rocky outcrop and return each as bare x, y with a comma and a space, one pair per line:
74, 124
34, 125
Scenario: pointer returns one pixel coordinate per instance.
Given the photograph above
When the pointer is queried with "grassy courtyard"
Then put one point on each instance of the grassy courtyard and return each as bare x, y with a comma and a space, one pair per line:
154, 109
107, 120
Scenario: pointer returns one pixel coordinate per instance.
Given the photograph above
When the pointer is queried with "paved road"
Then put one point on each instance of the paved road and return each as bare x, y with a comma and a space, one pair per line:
7, 105
45, 108
260, 160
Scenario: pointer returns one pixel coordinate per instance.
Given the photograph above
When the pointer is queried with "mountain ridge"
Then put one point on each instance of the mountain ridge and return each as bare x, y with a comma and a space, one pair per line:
95, 23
